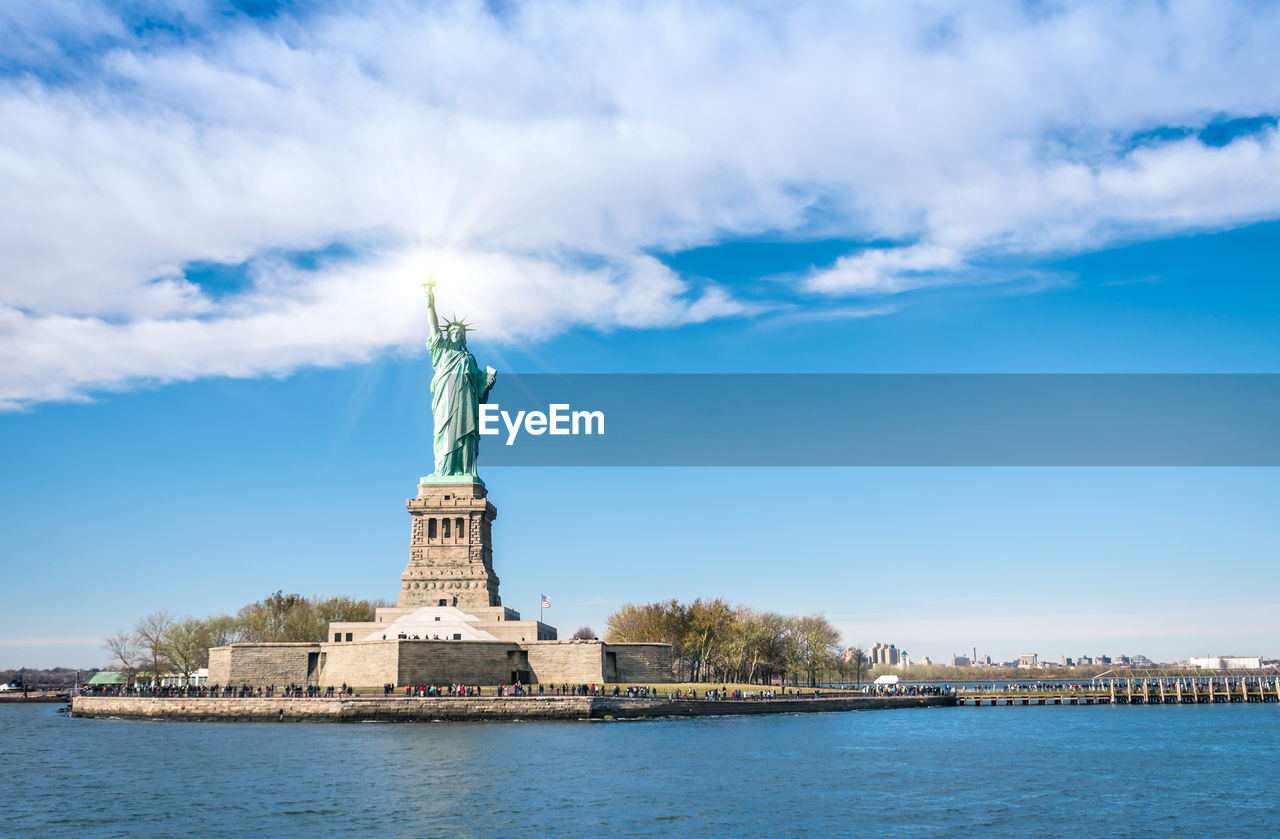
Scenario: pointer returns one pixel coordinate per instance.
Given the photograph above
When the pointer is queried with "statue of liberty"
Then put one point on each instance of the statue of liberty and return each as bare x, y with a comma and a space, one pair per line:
457, 390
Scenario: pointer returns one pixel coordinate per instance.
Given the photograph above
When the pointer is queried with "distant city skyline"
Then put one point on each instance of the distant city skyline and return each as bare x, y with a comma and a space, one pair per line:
213, 383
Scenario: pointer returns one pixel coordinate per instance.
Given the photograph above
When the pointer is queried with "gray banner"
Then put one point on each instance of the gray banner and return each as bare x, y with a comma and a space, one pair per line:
883, 420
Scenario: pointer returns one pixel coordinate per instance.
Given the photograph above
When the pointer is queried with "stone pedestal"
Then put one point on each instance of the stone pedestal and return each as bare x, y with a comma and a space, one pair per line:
450, 548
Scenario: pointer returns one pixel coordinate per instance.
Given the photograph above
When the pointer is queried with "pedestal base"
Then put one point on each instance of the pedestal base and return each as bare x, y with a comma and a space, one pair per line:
450, 546
450, 479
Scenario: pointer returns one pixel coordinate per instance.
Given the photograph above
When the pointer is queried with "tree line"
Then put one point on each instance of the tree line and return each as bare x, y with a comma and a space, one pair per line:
36, 677
161, 643
712, 641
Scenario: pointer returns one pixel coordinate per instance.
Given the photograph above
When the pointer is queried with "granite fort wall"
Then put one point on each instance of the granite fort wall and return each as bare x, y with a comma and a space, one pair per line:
572, 662
421, 662
219, 665
262, 664
360, 664
457, 662
519, 631
647, 663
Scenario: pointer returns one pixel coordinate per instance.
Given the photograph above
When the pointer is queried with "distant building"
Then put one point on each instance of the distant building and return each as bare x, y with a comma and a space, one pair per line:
960, 661
885, 654
926, 661
178, 680
1029, 660
1226, 662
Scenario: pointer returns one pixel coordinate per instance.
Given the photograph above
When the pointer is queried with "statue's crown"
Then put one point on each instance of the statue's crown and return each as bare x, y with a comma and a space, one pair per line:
454, 321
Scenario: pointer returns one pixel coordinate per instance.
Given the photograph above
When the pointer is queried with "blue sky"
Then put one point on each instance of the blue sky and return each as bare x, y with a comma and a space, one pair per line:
213, 224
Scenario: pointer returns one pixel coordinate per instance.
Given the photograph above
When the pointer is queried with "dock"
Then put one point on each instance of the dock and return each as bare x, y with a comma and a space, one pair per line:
1129, 691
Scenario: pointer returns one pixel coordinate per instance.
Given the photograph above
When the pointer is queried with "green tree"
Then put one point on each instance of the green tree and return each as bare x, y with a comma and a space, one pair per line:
711, 640
706, 628
660, 623
281, 617
152, 632
159, 644
186, 646
751, 648
769, 658
792, 656
222, 630
817, 640
736, 649
343, 608
639, 624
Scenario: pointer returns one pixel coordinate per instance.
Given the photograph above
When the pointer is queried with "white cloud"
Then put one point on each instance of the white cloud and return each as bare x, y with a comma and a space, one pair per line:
888, 269
337, 315
520, 149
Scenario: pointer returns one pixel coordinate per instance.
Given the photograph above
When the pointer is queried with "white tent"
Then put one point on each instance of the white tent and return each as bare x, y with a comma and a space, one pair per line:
438, 622
886, 680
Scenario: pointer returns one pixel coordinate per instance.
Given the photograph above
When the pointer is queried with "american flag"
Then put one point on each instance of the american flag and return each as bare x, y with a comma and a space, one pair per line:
546, 602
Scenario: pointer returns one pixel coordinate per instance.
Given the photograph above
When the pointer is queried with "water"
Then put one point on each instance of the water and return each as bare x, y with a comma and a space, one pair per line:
1000, 772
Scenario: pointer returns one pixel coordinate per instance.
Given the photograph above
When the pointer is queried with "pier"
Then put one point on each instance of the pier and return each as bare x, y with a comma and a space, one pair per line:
1134, 691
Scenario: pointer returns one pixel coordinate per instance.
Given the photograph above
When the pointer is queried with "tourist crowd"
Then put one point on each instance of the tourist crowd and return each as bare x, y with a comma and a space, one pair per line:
712, 694
906, 690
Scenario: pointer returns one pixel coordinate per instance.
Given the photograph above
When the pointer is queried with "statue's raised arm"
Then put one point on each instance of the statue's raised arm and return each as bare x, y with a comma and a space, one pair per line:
430, 288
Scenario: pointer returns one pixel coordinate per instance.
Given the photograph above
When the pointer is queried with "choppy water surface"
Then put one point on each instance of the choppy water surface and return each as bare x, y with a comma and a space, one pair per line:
996, 772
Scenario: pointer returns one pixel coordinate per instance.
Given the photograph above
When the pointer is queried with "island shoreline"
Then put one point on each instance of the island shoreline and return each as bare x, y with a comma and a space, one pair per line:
448, 708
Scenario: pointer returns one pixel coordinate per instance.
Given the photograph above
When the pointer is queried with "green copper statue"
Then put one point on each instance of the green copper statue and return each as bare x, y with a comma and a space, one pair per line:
457, 390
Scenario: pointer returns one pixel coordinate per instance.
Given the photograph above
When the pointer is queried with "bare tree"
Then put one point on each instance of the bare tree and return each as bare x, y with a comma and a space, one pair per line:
584, 633
842, 668
125, 650
857, 662
152, 633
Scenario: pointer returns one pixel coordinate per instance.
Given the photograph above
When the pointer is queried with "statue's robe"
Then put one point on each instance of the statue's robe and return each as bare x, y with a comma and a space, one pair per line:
457, 389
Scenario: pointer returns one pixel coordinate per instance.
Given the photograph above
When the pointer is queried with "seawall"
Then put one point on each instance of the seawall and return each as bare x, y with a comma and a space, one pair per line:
425, 709
620, 708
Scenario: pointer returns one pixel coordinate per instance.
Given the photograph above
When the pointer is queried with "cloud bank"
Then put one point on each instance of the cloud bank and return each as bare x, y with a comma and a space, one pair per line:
538, 156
